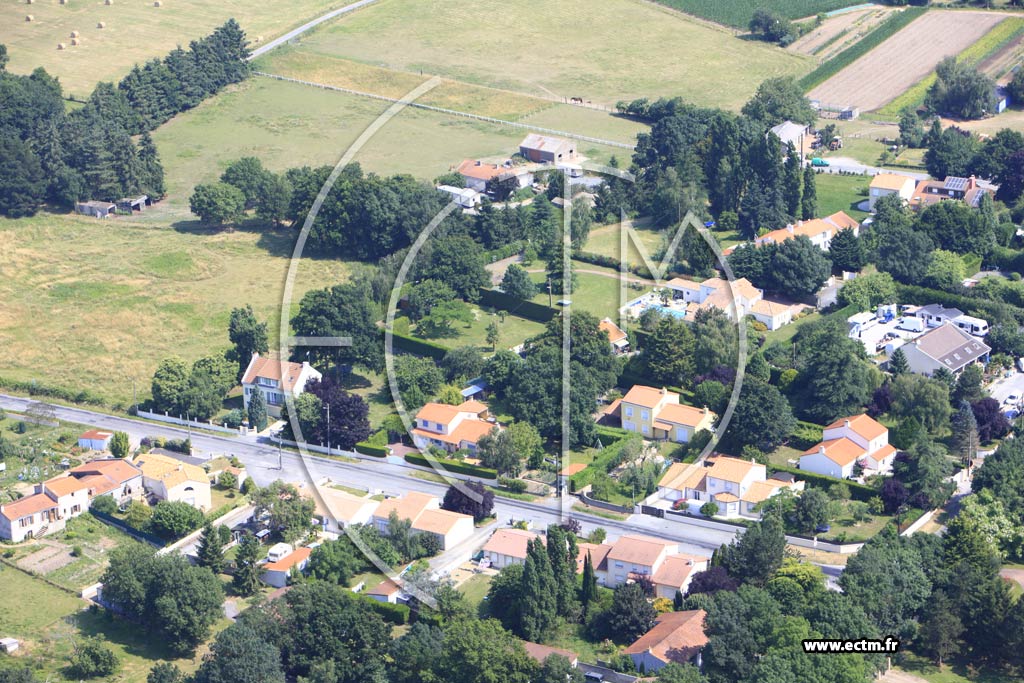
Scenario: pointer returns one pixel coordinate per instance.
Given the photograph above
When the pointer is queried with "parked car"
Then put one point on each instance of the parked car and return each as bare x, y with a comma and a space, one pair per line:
1012, 400
818, 161
822, 529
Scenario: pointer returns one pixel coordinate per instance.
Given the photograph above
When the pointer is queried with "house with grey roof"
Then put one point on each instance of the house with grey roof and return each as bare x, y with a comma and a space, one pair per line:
945, 347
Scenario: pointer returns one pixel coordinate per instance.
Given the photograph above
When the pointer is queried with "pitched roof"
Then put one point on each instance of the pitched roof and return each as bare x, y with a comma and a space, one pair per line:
285, 372
675, 569
680, 414
478, 170
540, 652
65, 485
115, 469
96, 435
341, 505
639, 550
386, 587
771, 308
409, 506
681, 283
510, 542
438, 412
681, 476
840, 451
726, 497
438, 521
951, 347
170, 471
890, 181
862, 425
731, 469
289, 560
883, 452
645, 396
544, 142
29, 505
598, 554
762, 490
676, 637
615, 332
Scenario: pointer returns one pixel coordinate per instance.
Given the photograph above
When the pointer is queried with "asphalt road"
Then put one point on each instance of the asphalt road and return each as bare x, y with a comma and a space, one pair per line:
261, 461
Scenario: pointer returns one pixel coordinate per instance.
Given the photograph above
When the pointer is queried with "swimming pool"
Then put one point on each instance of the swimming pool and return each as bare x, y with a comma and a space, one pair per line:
665, 310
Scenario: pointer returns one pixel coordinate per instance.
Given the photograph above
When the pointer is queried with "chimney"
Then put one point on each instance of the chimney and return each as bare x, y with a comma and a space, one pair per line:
846, 423
821, 449
972, 182
706, 411
790, 229
477, 162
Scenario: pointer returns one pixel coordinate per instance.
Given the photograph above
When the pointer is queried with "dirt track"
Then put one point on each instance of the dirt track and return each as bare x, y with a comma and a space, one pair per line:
905, 58
844, 29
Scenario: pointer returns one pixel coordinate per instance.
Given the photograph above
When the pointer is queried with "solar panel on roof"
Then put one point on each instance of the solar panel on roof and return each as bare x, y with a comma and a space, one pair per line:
955, 183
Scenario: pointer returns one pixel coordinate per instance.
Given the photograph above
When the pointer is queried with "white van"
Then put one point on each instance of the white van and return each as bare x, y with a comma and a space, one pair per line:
910, 324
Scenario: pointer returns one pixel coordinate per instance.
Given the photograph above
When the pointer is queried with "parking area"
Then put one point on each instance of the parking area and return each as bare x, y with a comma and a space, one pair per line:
876, 336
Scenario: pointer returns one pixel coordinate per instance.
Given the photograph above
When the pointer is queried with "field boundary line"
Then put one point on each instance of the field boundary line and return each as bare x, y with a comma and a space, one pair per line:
451, 112
295, 33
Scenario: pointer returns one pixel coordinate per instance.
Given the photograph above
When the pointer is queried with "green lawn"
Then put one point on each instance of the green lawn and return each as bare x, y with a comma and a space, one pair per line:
956, 672
703, 64
48, 604
738, 12
606, 240
474, 589
513, 331
841, 193
95, 540
597, 292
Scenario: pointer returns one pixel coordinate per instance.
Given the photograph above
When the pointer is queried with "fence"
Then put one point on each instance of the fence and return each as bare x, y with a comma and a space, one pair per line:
594, 502
187, 423
454, 112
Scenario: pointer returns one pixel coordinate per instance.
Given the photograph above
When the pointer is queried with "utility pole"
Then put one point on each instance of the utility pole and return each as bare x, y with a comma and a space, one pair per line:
135, 397
328, 429
550, 302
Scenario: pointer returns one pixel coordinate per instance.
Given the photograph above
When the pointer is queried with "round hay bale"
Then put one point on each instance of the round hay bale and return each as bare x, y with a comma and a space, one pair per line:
63, 2
29, 2
76, 41
101, 24
259, 39
29, 17
75, 34
61, 46
109, 2
157, 3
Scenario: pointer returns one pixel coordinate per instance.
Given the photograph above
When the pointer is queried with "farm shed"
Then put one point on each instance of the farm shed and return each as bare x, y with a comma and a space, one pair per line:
95, 209
545, 148
130, 204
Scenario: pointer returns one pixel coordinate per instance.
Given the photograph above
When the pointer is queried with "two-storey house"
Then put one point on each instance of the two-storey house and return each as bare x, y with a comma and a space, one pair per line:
275, 379
846, 442
452, 427
658, 414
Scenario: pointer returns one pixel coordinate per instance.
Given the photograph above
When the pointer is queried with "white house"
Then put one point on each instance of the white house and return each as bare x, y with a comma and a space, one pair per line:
791, 133
506, 547
388, 591
274, 378
452, 427
477, 174
463, 196
736, 486
340, 509
170, 479
95, 440
885, 184
846, 442
819, 231
676, 637
771, 313
45, 511
114, 477
947, 347
278, 572
716, 293
426, 516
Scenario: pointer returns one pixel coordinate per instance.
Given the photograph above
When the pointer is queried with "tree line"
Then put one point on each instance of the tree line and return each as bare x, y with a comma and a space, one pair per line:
50, 155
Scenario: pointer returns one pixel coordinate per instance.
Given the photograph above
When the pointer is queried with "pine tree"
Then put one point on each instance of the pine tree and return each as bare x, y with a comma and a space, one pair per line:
809, 202
898, 363
792, 180
847, 252
210, 553
247, 573
562, 551
152, 178
539, 606
965, 433
257, 411
588, 590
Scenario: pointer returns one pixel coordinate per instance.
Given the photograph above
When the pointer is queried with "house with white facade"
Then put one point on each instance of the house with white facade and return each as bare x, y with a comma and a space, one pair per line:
278, 572
506, 547
340, 509
819, 231
737, 298
657, 414
885, 184
736, 486
947, 347
426, 516
275, 378
452, 428
166, 478
848, 441
477, 174
44, 511
114, 477
95, 440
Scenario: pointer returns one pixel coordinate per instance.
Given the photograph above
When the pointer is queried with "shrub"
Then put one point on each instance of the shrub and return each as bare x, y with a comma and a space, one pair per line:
172, 520
453, 466
709, 509
104, 504
367, 448
76, 551
513, 485
93, 659
234, 419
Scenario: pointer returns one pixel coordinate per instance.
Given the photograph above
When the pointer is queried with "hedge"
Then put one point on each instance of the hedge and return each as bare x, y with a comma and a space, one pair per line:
520, 307
392, 613
857, 491
603, 461
453, 466
912, 294
851, 54
614, 263
805, 435
367, 448
609, 435
36, 389
420, 347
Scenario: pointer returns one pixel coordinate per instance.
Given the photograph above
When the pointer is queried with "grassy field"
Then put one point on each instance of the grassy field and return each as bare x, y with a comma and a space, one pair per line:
607, 241
958, 671
702, 63
598, 294
42, 450
738, 12
135, 32
841, 193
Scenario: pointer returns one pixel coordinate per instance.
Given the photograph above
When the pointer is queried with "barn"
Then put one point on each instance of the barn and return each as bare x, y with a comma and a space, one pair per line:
547, 149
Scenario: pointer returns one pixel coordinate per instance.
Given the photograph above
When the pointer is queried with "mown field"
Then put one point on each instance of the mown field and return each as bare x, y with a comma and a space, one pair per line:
559, 50
738, 12
135, 31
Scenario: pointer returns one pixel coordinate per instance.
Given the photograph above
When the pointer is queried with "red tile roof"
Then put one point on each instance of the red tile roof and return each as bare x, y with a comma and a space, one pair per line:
676, 637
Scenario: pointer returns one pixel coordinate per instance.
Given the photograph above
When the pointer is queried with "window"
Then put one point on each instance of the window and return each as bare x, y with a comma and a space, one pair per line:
644, 415
629, 411
266, 382
26, 521
618, 565
645, 429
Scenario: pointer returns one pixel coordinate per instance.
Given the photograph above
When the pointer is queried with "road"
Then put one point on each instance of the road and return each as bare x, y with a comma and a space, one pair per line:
850, 165
263, 49
261, 461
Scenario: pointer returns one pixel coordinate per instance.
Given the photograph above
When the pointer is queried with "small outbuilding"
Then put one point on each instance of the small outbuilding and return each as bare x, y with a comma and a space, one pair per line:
95, 209
9, 645
132, 204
